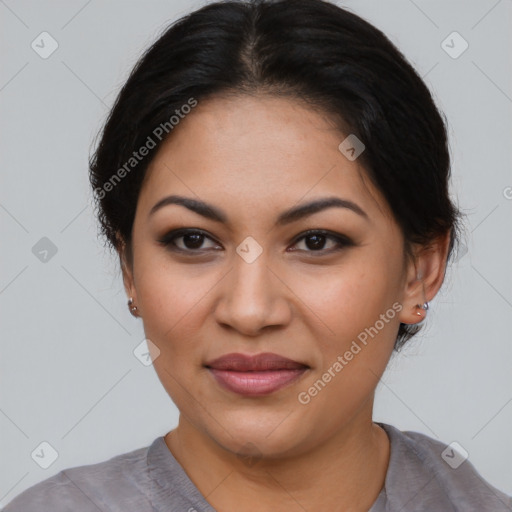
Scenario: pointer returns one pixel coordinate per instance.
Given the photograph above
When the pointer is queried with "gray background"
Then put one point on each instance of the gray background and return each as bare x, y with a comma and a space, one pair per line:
68, 372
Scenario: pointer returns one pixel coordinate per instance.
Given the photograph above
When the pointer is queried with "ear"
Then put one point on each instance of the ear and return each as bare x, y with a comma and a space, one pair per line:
126, 264
424, 276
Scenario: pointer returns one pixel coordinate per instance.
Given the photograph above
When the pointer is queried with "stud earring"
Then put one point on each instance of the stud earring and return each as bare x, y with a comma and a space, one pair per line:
133, 309
423, 306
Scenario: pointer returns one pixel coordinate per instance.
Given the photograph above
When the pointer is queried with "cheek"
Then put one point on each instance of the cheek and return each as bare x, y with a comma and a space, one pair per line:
352, 362
173, 304
346, 300
172, 296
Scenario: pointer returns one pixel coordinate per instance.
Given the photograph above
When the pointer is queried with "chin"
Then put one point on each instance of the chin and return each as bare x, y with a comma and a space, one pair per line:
244, 434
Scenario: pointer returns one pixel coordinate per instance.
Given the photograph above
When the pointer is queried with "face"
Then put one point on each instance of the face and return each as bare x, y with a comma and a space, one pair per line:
323, 289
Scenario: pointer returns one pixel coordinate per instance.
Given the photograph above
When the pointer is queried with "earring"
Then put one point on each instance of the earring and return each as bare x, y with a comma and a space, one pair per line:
423, 306
133, 309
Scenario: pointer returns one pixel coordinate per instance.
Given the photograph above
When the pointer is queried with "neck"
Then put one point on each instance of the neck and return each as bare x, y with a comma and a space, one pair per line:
346, 472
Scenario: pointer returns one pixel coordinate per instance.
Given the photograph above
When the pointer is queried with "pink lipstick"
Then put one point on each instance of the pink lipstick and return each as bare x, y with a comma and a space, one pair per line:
256, 375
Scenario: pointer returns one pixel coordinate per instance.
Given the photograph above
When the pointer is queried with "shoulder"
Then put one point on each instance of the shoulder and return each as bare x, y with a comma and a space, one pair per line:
435, 473
108, 485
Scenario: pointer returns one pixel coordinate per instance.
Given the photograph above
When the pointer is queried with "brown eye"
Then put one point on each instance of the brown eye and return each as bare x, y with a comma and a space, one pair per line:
187, 240
322, 241
192, 240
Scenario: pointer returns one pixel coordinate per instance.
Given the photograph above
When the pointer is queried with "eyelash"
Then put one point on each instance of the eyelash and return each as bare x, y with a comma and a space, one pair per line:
168, 241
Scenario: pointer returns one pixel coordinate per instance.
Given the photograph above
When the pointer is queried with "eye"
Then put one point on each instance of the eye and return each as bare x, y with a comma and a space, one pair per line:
316, 239
313, 241
187, 240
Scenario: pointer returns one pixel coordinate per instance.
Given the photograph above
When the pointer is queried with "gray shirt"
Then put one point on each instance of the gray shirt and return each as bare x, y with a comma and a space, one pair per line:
419, 479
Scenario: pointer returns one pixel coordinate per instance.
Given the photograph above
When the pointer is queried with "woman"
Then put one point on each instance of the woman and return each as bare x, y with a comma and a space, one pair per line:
274, 177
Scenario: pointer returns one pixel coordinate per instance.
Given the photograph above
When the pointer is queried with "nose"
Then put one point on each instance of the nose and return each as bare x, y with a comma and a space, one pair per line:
253, 297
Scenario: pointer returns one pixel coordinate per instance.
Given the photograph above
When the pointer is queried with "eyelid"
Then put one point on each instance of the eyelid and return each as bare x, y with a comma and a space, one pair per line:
167, 239
343, 241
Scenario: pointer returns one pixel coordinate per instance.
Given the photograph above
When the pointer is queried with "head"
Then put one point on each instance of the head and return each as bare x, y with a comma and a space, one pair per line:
245, 112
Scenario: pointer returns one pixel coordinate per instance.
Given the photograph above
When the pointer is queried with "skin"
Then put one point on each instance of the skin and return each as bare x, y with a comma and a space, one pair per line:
254, 157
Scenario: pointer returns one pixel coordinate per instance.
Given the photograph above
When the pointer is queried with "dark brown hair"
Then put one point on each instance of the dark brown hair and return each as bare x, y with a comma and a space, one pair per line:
310, 50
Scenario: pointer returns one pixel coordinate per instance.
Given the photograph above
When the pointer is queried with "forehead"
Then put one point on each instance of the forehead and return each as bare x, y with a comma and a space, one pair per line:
254, 150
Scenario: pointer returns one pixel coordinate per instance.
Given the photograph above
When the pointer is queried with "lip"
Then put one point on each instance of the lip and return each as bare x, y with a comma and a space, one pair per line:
256, 375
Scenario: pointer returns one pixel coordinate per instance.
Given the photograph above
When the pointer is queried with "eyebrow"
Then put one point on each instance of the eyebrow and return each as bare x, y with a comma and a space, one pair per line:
293, 214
